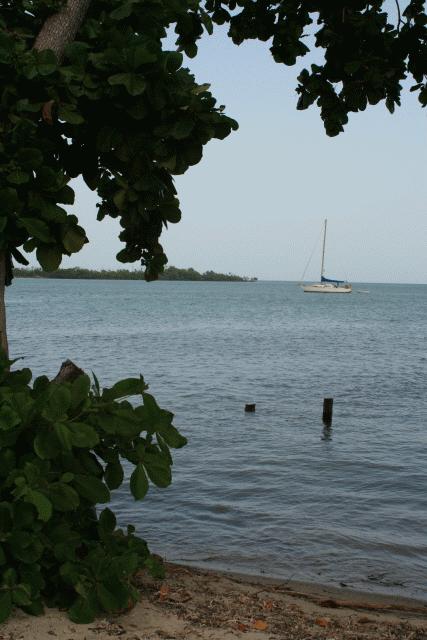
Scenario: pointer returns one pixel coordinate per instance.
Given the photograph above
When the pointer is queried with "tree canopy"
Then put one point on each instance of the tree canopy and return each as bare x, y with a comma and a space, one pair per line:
120, 110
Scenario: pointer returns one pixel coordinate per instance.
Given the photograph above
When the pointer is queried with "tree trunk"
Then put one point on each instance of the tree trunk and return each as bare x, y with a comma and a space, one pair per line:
3, 334
61, 28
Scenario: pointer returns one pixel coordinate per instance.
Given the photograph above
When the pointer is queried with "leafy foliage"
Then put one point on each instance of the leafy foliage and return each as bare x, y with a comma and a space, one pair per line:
61, 452
119, 111
122, 112
369, 48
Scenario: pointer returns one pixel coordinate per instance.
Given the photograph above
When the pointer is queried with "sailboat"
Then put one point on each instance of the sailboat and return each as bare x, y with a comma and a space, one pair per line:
326, 285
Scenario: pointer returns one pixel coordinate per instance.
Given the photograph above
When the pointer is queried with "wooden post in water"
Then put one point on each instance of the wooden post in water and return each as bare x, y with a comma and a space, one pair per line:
250, 408
327, 410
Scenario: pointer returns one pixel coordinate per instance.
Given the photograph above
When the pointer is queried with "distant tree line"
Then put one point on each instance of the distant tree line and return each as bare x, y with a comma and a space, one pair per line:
170, 273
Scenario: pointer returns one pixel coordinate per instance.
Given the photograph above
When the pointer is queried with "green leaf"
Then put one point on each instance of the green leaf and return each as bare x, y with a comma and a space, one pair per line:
173, 438
63, 497
7, 462
122, 593
30, 158
119, 198
352, 67
201, 88
66, 196
58, 402
21, 596
6, 521
107, 521
23, 515
9, 200
19, 378
92, 489
37, 228
5, 605
53, 213
80, 390
8, 417
9, 577
171, 213
124, 10
46, 62
90, 463
32, 578
46, 445
64, 435
139, 482
124, 388
124, 421
207, 21
49, 257
69, 114
41, 503
114, 475
155, 567
25, 546
173, 61
82, 611
141, 55
125, 565
74, 239
182, 128
18, 177
158, 468
107, 599
16, 254
83, 435
36, 608
134, 83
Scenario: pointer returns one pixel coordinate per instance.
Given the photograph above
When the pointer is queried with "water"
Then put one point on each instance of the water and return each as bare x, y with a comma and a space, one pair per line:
271, 492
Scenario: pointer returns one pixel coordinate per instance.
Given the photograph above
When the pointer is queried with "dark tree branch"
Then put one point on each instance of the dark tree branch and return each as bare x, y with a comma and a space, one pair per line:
399, 16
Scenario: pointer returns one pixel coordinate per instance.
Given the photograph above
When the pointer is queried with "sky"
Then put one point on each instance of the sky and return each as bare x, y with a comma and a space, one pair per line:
255, 204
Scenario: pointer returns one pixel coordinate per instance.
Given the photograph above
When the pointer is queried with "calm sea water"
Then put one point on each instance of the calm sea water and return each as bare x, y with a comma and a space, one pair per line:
271, 492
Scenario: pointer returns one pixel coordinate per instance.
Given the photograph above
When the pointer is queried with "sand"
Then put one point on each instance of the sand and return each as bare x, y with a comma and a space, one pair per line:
208, 605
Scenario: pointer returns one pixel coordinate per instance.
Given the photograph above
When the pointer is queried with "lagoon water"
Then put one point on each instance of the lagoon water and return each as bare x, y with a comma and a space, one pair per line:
270, 492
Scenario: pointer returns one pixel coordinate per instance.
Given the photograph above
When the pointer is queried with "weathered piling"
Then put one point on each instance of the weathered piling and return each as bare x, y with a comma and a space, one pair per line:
327, 410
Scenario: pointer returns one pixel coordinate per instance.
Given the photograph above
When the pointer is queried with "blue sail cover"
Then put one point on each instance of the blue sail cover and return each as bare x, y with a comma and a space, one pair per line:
334, 281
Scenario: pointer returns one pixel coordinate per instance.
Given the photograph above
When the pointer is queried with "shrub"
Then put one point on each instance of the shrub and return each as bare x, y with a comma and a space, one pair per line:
61, 452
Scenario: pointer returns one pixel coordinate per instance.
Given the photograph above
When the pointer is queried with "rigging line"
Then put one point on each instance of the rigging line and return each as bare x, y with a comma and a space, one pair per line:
310, 258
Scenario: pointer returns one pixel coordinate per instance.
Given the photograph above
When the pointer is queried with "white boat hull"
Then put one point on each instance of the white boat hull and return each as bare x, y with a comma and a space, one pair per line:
324, 287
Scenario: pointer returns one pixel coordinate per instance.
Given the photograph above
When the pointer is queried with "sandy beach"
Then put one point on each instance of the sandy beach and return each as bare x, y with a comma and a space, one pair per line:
209, 605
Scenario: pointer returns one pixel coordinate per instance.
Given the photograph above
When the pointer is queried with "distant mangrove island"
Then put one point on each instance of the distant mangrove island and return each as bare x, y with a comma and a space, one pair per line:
170, 273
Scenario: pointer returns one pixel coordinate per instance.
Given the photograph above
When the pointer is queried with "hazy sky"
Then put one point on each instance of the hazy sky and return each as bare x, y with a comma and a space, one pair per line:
256, 202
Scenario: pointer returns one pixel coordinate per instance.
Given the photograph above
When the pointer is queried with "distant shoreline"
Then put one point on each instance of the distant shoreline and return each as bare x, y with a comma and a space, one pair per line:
170, 273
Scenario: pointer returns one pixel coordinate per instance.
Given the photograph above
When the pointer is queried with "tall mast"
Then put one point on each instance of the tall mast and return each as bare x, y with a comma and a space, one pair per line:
322, 270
